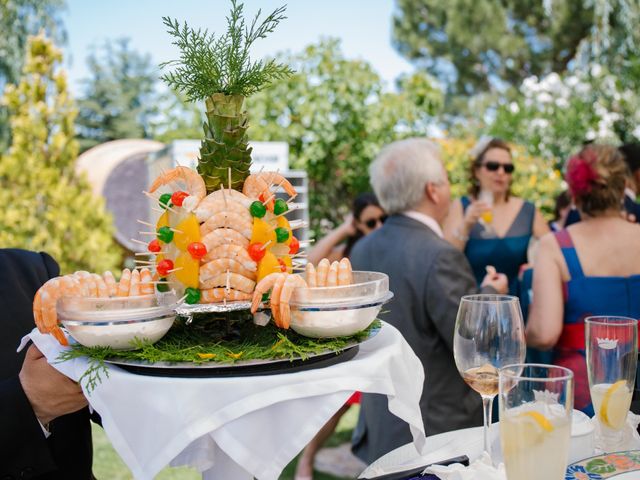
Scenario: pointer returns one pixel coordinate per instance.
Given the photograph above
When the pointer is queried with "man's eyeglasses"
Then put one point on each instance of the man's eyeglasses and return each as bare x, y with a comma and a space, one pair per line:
495, 166
372, 222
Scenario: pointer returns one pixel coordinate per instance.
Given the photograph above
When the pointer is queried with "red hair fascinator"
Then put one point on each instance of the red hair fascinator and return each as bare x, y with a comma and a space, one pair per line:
582, 173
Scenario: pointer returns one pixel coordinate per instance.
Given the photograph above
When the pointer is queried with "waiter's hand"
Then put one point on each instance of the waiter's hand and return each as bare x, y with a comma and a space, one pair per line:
50, 393
498, 281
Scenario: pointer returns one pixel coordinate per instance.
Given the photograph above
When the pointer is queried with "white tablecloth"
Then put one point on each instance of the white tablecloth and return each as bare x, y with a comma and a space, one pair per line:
239, 427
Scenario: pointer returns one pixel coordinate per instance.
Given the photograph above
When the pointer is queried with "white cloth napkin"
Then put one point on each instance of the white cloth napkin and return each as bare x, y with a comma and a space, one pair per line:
629, 440
480, 469
239, 427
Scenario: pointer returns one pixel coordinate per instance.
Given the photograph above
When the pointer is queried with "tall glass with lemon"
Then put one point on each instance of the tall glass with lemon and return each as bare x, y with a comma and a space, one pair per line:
612, 356
486, 196
536, 402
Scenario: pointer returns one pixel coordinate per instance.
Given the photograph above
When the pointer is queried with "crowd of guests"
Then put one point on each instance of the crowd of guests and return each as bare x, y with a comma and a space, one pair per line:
435, 250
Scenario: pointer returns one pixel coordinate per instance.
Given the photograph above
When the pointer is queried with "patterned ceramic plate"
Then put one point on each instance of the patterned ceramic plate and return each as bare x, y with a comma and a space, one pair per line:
619, 465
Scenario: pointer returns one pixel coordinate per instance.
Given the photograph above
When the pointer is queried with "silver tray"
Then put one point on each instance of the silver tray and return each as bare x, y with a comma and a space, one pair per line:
242, 368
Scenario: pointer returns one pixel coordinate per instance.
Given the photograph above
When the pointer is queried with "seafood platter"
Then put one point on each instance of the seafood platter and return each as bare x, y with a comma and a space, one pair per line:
220, 242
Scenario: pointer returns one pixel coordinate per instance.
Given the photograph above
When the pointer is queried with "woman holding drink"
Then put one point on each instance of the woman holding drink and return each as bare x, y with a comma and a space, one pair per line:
591, 268
492, 226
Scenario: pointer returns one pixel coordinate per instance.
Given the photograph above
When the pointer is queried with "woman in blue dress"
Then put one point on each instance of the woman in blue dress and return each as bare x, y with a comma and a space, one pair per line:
492, 226
591, 268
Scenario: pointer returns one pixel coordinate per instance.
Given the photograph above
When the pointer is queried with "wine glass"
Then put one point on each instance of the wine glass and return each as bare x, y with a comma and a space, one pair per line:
489, 334
612, 356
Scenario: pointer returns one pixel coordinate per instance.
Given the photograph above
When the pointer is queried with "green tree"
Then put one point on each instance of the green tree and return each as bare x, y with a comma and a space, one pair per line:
18, 20
178, 118
120, 98
481, 45
46, 205
335, 116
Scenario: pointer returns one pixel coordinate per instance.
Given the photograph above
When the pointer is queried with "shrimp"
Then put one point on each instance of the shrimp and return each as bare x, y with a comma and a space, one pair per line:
223, 236
207, 208
146, 287
345, 274
229, 220
124, 284
110, 282
101, 287
332, 276
236, 252
290, 283
44, 304
254, 186
228, 195
88, 282
263, 287
134, 285
212, 295
322, 272
274, 299
272, 178
221, 266
194, 184
234, 280
310, 273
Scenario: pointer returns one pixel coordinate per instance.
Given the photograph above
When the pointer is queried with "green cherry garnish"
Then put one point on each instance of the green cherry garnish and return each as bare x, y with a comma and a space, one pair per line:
282, 234
162, 287
165, 200
280, 207
193, 295
165, 234
257, 209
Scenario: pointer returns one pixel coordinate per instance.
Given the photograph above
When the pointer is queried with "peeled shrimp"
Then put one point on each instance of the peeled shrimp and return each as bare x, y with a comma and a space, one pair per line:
332, 276
212, 295
101, 287
110, 281
228, 195
44, 304
230, 220
224, 236
222, 265
274, 178
230, 280
274, 299
193, 184
310, 274
345, 273
322, 272
263, 287
254, 186
134, 284
235, 252
146, 287
209, 207
124, 283
291, 282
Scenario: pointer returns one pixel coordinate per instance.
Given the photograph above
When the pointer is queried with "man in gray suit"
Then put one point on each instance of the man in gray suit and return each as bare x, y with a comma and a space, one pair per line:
428, 276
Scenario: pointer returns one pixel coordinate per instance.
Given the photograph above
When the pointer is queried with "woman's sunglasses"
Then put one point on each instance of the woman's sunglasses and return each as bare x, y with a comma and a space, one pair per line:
372, 222
495, 166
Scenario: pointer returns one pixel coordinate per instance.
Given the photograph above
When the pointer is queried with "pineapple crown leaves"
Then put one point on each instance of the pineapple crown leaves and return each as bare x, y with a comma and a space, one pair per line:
209, 65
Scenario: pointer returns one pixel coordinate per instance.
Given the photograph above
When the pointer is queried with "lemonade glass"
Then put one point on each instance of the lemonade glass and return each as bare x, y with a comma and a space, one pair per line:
612, 356
536, 403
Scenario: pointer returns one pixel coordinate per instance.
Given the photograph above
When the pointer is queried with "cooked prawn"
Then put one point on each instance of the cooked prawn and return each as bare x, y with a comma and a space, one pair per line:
134, 284
124, 283
101, 287
230, 280
208, 207
310, 273
254, 186
274, 178
224, 236
222, 265
322, 272
290, 283
236, 252
345, 273
263, 287
228, 220
193, 184
44, 304
228, 195
110, 281
146, 285
212, 295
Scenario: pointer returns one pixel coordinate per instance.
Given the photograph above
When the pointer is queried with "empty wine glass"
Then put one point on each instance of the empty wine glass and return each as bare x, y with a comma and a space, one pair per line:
489, 334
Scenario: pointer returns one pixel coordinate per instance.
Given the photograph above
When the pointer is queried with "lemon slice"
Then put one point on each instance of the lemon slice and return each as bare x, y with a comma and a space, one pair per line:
615, 404
539, 419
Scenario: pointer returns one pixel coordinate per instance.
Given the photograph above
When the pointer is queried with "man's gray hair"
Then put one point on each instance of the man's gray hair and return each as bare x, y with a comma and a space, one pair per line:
401, 171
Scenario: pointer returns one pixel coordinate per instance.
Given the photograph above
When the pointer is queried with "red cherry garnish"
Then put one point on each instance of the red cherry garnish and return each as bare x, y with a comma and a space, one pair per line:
294, 246
197, 250
178, 197
283, 266
164, 266
154, 246
256, 251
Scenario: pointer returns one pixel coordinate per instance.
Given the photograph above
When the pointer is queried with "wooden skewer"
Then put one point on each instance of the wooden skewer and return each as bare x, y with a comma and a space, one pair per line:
224, 196
306, 243
269, 199
153, 197
146, 223
265, 244
148, 262
299, 255
148, 233
176, 230
229, 175
160, 282
150, 253
140, 241
228, 288
291, 198
174, 269
295, 224
180, 300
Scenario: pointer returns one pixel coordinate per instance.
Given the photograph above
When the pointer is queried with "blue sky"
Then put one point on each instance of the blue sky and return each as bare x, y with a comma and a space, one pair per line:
364, 26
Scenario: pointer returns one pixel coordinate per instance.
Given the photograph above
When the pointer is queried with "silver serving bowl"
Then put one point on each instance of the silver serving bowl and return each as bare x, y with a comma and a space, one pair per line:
116, 322
325, 312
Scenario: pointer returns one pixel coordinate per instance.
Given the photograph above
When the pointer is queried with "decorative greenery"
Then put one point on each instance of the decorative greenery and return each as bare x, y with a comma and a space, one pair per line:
203, 344
209, 65
47, 205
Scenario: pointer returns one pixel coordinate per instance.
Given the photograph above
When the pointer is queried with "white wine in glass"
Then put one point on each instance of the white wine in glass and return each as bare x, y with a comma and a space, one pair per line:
489, 334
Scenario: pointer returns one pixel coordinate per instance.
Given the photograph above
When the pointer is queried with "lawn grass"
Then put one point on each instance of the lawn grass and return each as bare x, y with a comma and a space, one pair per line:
107, 465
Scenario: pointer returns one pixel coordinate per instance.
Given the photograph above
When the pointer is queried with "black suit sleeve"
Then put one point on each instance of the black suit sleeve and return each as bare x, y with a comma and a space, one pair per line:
448, 279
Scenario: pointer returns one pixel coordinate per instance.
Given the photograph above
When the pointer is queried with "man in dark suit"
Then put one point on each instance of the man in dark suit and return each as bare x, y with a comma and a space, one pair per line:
44, 423
427, 276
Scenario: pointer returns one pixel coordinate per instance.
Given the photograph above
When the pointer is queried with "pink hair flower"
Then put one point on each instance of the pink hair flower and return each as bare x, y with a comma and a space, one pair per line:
581, 173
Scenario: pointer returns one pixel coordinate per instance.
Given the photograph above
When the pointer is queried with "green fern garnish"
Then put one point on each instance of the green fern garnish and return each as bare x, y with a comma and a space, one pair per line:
210, 65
